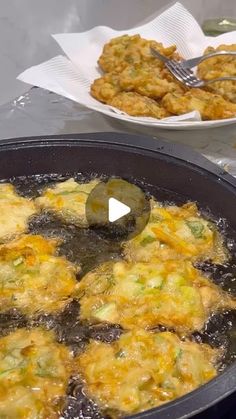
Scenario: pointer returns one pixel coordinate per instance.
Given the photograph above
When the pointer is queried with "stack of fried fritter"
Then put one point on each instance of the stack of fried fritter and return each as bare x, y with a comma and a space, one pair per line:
138, 84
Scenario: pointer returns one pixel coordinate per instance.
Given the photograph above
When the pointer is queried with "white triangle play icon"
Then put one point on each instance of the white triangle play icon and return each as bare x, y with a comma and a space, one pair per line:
116, 210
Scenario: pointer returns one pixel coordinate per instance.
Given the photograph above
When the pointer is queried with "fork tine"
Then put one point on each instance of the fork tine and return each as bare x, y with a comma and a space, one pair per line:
176, 71
191, 78
186, 76
186, 72
174, 67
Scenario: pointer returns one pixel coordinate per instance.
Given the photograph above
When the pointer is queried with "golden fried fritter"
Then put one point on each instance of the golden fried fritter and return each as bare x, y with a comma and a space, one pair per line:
34, 373
169, 293
220, 66
108, 90
131, 67
125, 50
67, 199
148, 81
15, 211
145, 80
210, 106
174, 233
32, 278
142, 370
105, 88
137, 105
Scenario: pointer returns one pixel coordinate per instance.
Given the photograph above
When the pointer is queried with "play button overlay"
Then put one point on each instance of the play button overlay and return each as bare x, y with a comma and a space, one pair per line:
117, 209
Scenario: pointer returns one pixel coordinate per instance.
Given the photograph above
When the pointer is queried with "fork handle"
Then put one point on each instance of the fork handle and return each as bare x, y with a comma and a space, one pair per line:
202, 83
219, 79
195, 61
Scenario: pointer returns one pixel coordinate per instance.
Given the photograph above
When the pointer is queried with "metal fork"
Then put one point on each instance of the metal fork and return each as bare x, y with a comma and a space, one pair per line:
193, 62
185, 74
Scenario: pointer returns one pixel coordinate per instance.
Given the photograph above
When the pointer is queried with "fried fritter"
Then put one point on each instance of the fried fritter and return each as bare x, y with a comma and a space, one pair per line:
131, 67
106, 88
148, 80
34, 373
145, 80
174, 233
169, 293
15, 211
210, 106
142, 370
32, 278
125, 50
220, 66
137, 105
67, 199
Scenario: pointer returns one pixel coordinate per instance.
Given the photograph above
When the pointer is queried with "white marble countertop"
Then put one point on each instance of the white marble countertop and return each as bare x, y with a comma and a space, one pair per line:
39, 112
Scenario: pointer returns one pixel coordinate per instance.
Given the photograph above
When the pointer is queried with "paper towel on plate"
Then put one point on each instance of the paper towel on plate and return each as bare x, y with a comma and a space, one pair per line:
72, 76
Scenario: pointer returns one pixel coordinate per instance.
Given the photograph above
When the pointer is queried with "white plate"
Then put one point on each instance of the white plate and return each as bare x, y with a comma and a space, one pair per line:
72, 76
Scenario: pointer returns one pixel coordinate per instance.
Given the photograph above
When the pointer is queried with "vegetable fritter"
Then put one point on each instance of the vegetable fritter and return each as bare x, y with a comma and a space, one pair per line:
32, 278
34, 373
125, 50
106, 88
148, 80
129, 66
176, 232
168, 293
138, 105
220, 66
209, 105
15, 211
143, 370
134, 77
67, 199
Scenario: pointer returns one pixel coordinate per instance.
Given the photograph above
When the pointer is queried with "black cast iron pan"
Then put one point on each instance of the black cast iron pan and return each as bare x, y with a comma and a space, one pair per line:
156, 162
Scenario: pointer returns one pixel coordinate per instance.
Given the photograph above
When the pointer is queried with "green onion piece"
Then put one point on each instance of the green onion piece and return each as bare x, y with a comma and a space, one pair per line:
196, 228
18, 261
178, 354
120, 354
106, 312
147, 240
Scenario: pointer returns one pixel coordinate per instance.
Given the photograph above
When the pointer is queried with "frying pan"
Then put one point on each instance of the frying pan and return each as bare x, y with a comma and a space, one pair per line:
156, 162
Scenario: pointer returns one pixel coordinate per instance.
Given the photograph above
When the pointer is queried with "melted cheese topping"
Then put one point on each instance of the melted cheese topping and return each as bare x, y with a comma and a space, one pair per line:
176, 232
34, 371
143, 370
32, 278
168, 293
67, 199
15, 212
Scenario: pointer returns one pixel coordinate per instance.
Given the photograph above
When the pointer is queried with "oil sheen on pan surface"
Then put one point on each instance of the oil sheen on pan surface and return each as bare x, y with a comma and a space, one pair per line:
106, 319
